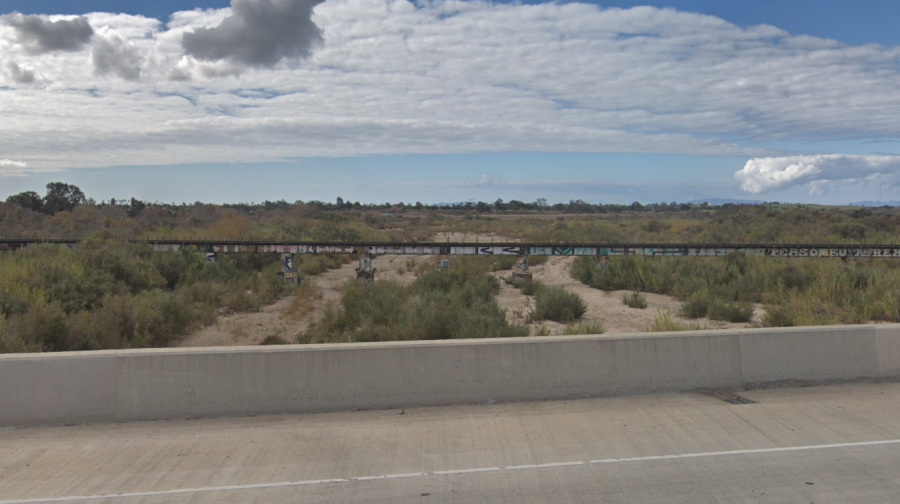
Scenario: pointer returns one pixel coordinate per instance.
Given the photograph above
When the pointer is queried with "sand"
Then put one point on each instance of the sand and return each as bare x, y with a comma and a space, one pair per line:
607, 307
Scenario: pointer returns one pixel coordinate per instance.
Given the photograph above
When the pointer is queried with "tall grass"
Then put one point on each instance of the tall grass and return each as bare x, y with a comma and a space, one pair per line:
665, 323
584, 327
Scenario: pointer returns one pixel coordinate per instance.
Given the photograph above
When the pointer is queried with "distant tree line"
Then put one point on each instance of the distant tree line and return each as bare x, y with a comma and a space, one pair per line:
538, 206
65, 197
60, 197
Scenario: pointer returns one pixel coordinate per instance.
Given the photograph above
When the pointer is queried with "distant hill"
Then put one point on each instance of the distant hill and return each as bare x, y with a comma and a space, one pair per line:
725, 201
875, 203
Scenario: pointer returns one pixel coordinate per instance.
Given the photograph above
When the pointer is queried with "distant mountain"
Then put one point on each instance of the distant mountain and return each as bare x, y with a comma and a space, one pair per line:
726, 201
876, 203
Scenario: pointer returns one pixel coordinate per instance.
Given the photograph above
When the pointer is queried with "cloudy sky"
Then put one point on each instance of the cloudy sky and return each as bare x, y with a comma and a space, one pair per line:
438, 101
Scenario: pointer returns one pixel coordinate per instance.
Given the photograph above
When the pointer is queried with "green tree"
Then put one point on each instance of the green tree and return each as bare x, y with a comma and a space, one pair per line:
137, 206
28, 199
62, 198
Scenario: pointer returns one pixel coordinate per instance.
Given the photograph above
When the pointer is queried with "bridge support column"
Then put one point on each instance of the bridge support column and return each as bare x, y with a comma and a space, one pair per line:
288, 272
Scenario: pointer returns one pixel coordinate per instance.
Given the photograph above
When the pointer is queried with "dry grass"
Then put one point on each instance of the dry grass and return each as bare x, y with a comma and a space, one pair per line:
304, 302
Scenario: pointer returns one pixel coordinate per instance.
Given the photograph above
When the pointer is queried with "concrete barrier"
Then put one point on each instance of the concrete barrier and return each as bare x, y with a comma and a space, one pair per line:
175, 383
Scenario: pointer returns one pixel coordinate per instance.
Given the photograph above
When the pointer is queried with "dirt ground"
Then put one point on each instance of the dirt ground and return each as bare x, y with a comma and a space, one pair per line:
606, 307
283, 320
279, 319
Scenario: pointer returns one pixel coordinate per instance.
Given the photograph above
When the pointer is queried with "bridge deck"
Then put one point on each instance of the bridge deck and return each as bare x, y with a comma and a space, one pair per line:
815, 444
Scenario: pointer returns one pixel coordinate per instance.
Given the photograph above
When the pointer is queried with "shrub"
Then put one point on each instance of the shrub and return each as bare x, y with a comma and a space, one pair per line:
664, 323
731, 312
273, 340
106, 295
453, 304
778, 316
635, 300
538, 260
793, 277
503, 262
584, 268
530, 288
558, 304
584, 327
696, 306
542, 330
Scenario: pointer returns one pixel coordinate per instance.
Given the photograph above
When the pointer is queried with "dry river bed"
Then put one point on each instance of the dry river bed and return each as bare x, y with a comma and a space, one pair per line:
286, 318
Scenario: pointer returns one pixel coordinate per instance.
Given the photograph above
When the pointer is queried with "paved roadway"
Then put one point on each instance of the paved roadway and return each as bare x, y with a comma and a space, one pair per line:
837, 444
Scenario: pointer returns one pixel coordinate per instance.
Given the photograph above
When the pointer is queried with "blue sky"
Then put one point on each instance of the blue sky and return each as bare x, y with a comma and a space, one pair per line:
660, 110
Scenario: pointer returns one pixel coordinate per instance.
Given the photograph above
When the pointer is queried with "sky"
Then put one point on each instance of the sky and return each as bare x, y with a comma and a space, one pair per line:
448, 101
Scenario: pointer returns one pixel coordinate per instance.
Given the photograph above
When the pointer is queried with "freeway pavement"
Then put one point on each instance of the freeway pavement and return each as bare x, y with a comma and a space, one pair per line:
830, 444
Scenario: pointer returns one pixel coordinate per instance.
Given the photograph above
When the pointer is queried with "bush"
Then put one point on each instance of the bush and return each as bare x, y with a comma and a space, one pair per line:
731, 312
107, 295
778, 316
584, 268
635, 300
529, 288
584, 327
538, 260
558, 304
454, 304
665, 323
696, 306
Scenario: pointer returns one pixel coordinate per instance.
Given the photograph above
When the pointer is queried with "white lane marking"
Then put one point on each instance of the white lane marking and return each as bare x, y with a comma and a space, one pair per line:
650, 458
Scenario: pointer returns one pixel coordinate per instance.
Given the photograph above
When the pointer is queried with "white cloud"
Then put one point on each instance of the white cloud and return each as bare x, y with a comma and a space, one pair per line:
484, 180
393, 77
112, 55
819, 173
10, 168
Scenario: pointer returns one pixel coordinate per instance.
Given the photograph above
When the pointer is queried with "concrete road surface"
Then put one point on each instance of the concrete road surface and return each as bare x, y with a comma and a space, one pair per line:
836, 444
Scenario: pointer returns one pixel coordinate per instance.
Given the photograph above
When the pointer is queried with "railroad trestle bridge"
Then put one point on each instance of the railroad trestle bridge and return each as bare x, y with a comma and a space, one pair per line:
501, 248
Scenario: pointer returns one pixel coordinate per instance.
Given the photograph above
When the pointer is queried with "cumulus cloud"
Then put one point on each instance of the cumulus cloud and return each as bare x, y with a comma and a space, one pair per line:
112, 55
39, 34
817, 172
19, 74
258, 33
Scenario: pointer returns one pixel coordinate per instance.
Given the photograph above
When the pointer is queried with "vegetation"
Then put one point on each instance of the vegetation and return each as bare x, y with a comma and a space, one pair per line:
794, 291
453, 304
665, 323
584, 327
558, 305
635, 300
60, 197
107, 293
